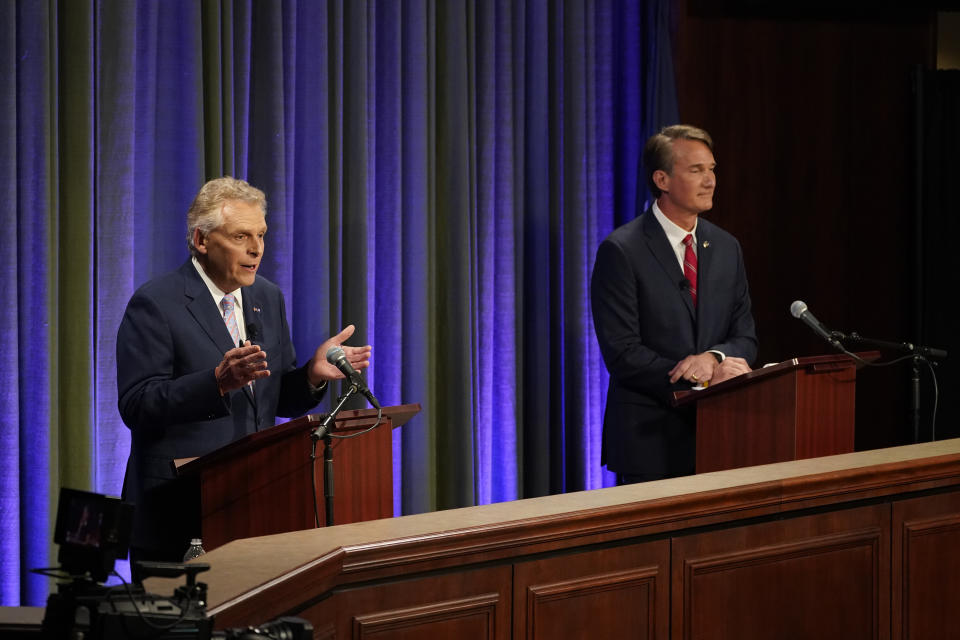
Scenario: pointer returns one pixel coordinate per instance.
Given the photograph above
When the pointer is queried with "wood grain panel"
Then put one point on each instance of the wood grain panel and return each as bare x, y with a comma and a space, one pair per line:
327, 632
473, 617
753, 425
268, 491
817, 576
261, 484
261, 578
926, 567
363, 476
796, 409
829, 401
611, 593
472, 604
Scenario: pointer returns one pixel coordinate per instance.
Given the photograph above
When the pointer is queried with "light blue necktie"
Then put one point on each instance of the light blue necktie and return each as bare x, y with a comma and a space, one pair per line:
229, 303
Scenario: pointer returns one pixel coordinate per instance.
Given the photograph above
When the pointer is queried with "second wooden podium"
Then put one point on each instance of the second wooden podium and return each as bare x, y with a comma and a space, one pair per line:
801, 408
267, 483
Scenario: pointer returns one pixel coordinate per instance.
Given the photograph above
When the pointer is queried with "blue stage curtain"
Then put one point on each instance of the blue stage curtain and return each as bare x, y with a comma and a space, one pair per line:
438, 173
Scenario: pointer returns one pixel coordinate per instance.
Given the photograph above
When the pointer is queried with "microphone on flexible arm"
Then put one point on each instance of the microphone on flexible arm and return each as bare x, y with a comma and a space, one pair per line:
253, 334
799, 310
338, 358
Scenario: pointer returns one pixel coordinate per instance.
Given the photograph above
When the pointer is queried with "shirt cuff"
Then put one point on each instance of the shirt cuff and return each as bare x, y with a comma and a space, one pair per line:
719, 355
317, 392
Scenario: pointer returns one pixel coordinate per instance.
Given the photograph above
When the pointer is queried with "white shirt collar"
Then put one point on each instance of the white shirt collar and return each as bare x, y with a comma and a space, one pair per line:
218, 295
675, 233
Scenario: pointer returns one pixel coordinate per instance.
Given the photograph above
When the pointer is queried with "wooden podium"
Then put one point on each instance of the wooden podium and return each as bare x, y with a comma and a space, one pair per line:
263, 483
801, 408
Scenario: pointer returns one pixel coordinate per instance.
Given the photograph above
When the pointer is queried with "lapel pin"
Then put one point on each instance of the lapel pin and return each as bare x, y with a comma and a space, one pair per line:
256, 309
706, 243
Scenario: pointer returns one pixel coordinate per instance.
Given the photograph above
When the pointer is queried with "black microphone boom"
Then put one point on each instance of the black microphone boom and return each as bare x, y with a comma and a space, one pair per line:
799, 310
338, 358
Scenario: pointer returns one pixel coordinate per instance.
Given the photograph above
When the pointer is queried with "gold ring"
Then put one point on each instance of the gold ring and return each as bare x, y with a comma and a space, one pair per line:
694, 377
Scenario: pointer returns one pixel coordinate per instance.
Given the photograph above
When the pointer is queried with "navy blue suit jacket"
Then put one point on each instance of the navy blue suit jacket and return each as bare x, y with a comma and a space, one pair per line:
170, 340
646, 323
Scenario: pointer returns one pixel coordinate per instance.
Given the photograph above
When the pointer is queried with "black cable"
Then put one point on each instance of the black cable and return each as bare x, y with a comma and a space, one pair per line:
133, 601
313, 483
867, 363
936, 399
909, 356
360, 433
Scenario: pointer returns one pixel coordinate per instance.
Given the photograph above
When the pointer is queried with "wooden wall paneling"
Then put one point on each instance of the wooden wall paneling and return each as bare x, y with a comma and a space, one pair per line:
811, 112
257, 579
815, 576
472, 605
621, 592
926, 567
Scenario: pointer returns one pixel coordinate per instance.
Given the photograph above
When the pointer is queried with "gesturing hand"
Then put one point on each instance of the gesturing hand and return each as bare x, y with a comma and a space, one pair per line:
320, 370
241, 366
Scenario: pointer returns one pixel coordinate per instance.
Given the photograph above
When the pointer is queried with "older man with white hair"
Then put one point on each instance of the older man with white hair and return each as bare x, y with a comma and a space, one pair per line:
204, 357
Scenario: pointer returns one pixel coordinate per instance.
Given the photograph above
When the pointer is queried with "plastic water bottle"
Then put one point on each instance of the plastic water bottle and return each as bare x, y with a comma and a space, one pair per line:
195, 551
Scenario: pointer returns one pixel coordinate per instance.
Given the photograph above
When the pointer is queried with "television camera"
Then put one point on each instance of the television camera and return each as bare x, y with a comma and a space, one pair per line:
93, 531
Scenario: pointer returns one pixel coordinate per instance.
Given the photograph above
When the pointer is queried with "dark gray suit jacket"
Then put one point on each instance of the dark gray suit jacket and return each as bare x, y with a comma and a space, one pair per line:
646, 323
170, 340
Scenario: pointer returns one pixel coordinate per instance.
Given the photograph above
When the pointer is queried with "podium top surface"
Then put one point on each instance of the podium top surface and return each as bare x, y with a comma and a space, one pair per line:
362, 418
830, 362
351, 420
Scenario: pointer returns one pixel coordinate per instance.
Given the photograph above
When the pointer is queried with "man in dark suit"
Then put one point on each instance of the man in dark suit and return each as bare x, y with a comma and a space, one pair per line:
669, 312
204, 357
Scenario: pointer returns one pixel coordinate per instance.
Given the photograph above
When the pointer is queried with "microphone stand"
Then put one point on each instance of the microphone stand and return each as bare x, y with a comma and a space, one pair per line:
918, 353
322, 432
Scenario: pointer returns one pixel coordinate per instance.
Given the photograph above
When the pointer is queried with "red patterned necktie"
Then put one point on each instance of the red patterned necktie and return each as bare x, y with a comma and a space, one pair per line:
690, 267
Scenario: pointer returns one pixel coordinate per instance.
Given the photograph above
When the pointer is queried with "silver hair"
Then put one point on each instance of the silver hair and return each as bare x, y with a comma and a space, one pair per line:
206, 211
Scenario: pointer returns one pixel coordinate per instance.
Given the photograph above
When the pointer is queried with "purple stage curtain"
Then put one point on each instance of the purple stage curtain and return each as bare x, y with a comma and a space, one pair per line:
438, 174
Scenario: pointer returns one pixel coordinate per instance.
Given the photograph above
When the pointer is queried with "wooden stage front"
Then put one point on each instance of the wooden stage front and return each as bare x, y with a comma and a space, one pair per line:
861, 545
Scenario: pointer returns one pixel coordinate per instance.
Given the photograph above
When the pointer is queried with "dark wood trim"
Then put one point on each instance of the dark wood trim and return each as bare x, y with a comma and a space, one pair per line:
445, 555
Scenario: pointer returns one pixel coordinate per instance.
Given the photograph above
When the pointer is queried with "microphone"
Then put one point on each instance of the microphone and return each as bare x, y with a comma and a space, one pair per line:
799, 310
253, 332
338, 358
